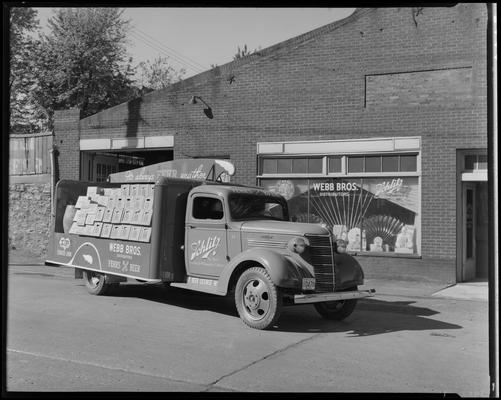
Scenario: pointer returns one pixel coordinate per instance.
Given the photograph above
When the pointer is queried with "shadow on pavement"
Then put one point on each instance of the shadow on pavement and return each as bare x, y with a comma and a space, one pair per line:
371, 317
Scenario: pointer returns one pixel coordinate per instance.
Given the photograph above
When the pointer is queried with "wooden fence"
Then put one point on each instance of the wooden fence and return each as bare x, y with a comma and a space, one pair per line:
30, 154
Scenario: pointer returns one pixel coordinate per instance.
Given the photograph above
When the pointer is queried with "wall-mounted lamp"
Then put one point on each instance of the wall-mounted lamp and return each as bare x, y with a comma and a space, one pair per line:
207, 110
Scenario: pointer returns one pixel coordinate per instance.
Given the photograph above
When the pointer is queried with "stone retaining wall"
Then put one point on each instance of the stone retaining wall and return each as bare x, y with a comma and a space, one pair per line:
29, 218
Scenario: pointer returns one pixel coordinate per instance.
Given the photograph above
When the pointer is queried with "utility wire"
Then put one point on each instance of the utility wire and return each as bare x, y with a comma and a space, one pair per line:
181, 60
162, 51
170, 49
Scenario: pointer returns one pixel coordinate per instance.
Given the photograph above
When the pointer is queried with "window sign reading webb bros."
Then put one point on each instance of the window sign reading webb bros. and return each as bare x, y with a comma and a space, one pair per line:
369, 214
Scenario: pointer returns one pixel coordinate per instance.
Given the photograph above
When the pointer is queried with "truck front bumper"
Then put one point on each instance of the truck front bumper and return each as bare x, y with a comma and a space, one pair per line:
334, 296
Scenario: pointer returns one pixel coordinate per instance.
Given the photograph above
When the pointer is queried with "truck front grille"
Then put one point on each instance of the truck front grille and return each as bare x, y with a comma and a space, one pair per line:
323, 263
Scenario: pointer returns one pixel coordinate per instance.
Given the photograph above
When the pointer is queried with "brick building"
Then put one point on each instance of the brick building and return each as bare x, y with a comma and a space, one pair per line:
375, 125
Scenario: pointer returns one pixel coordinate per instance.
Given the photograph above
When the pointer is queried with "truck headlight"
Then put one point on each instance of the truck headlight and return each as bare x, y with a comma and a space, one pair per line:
298, 245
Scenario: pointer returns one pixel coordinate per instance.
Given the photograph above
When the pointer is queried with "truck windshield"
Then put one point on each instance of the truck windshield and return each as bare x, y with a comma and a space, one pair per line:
245, 206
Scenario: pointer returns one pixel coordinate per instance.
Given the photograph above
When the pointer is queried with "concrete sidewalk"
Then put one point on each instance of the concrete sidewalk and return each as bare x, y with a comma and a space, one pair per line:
476, 291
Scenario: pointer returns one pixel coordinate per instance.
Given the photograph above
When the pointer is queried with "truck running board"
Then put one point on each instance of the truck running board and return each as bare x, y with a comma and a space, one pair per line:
333, 296
200, 285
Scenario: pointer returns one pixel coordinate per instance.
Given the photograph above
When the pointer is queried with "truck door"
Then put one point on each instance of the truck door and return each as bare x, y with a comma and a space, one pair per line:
206, 242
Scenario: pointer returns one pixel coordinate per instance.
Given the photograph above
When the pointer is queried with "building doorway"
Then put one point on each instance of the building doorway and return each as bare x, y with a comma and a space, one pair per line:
473, 219
95, 166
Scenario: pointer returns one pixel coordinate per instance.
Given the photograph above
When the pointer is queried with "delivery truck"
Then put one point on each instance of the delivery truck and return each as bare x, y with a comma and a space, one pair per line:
159, 225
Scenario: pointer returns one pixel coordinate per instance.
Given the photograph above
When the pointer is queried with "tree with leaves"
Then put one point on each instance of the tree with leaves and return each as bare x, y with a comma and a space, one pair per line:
26, 115
83, 61
157, 74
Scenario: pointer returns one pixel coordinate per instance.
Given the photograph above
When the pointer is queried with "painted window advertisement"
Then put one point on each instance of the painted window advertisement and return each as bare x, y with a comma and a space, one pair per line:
369, 214
295, 192
391, 220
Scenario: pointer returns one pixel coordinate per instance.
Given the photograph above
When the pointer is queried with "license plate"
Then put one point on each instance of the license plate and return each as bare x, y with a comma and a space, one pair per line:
308, 283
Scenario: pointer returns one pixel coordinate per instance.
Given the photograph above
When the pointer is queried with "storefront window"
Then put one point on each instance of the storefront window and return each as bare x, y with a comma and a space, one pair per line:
340, 204
371, 202
390, 219
295, 192
371, 214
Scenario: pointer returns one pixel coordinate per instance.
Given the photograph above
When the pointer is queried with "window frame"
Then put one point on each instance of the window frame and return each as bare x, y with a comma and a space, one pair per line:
344, 165
204, 196
344, 174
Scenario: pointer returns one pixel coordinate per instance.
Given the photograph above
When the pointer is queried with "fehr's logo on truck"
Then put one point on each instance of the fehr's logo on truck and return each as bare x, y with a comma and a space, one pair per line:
205, 248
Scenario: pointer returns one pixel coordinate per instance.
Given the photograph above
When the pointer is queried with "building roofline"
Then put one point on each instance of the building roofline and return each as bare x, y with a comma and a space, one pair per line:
218, 71
268, 51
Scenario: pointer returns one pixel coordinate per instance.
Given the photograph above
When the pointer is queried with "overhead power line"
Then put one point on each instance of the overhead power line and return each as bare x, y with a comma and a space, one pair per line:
194, 62
158, 48
183, 61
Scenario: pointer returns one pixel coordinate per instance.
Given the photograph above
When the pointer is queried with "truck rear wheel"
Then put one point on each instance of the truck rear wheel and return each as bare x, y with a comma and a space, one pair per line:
258, 300
95, 282
336, 310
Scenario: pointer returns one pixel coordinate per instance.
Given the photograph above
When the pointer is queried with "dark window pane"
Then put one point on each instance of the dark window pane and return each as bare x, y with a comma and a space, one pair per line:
207, 208
390, 163
408, 163
335, 164
355, 164
315, 165
269, 166
299, 165
284, 166
373, 164
469, 161
482, 161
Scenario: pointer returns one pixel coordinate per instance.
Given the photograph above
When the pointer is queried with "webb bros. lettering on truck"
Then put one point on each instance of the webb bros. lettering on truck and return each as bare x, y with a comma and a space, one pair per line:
202, 235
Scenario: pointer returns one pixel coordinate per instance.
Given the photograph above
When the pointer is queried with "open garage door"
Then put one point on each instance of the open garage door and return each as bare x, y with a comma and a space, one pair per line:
95, 166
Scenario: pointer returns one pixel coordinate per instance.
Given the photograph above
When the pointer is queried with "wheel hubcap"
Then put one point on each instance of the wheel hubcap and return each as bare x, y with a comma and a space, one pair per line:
94, 279
256, 299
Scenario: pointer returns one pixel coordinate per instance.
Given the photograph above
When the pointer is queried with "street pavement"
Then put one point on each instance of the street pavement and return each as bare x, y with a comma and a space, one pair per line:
412, 337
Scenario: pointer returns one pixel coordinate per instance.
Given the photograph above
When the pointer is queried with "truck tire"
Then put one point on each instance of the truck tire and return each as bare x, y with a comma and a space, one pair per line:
95, 282
258, 300
336, 310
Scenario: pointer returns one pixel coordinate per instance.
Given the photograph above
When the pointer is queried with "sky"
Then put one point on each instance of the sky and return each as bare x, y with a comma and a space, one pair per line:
196, 38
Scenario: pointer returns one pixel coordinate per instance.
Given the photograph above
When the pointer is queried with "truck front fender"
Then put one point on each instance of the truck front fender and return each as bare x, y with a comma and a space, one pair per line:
284, 270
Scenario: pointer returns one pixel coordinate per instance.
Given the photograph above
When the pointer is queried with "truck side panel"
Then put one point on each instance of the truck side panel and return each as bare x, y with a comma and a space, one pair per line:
83, 210
119, 257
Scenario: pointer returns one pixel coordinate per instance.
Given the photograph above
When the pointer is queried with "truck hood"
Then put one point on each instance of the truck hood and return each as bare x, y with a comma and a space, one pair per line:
283, 227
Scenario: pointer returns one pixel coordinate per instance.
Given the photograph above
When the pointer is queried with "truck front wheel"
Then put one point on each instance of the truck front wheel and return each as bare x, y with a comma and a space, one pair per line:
336, 310
258, 300
95, 282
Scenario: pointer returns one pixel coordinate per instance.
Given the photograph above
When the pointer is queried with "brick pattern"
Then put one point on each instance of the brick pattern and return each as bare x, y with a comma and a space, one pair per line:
445, 88
67, 143
313, 88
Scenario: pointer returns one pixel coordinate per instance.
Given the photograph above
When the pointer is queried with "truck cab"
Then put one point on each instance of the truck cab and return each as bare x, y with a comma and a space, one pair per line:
234, 231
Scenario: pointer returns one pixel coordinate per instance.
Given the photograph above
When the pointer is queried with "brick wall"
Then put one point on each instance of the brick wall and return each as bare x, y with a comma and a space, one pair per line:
67, 143
313, 87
